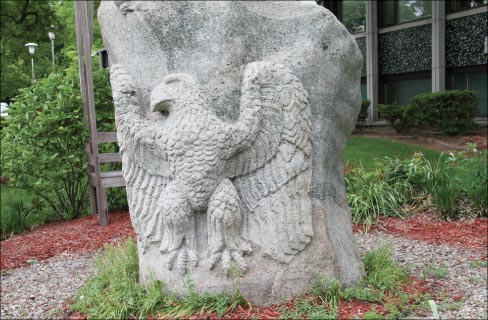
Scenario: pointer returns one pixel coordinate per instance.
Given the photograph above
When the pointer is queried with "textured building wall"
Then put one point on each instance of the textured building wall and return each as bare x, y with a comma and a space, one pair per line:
465, 41
406, 50
362, 46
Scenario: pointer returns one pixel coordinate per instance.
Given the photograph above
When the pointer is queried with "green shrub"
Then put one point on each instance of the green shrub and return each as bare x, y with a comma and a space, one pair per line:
363, 112
43, 141
43, 144
451, 112
398, 116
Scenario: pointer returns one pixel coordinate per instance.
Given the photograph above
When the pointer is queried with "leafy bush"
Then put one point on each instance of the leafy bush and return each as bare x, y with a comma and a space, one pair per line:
115, 293
397, 115
363, 112
451, 112
43, 142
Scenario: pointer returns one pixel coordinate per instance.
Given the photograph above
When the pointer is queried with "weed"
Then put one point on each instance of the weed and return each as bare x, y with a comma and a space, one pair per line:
434, 271
363, 293
381, 271
478, 263
475, 280
372, 315
452, 306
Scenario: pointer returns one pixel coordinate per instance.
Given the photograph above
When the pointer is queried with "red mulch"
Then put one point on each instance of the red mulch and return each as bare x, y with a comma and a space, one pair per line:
54, 238
424, 227
85, 235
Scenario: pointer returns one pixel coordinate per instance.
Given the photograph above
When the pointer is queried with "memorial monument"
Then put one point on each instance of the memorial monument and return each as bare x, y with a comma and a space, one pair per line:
232, 118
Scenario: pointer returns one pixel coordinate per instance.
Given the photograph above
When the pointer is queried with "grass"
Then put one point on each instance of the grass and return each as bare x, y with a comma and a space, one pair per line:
115, 293
19, 211
371, 151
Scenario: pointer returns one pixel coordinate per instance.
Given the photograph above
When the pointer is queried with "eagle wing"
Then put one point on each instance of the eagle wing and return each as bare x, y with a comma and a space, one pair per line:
273, 173
145, 165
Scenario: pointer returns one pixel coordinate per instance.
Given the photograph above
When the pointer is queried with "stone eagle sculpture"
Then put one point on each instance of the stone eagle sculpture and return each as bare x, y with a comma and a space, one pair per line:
250, 177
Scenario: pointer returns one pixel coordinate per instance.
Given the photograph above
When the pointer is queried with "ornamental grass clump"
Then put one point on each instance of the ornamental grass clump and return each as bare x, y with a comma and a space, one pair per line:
456, 182
114, 292
370, 196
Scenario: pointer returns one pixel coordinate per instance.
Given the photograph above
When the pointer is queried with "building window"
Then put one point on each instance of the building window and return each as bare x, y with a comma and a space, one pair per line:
476, 81
401, 91
354, 15
401, 11
460, 5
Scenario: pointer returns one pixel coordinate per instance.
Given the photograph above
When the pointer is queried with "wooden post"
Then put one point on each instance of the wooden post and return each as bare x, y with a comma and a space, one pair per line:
84, 28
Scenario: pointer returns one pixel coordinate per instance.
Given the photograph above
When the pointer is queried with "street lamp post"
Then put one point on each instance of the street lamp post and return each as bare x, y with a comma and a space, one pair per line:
51, 36
32, 48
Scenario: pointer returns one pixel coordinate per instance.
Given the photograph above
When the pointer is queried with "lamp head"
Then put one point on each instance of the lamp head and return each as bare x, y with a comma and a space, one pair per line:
32, 47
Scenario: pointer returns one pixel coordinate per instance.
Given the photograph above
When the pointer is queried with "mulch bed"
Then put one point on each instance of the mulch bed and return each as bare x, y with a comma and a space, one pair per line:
85, 235
425, 227
77, 236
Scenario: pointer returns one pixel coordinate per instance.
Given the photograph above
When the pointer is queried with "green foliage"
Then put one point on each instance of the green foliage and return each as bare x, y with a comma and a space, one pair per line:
307, 309
451, 112
369, 196
43, 142
363, 112
25, 21
432, 270
328, 291
381, 271
361, 149
115, 293
399, 116
15, 219
450, 179
372, 315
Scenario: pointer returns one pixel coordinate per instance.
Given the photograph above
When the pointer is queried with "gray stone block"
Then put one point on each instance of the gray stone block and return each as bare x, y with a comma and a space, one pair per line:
232, 119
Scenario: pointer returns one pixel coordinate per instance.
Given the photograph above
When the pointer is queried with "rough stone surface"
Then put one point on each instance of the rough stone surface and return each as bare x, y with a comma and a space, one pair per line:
232, 118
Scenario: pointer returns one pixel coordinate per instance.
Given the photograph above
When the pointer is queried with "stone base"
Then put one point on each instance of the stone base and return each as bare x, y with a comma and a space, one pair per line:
266, 281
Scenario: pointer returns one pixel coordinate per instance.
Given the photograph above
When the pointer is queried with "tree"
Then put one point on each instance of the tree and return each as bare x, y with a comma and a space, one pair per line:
22, 22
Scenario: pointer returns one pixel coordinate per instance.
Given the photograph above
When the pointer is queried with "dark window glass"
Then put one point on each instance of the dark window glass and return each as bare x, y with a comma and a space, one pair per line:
354, 15
460, 5
409, 10
401, 91
398, 11
477, 81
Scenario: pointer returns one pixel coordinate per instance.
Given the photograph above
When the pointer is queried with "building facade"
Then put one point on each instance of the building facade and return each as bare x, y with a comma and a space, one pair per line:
418, 46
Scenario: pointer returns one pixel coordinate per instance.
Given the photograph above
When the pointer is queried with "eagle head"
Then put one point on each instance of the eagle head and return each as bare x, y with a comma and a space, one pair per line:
175, 90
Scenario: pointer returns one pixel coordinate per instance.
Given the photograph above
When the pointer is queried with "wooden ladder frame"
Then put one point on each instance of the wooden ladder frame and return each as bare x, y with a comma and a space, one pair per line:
98, 181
